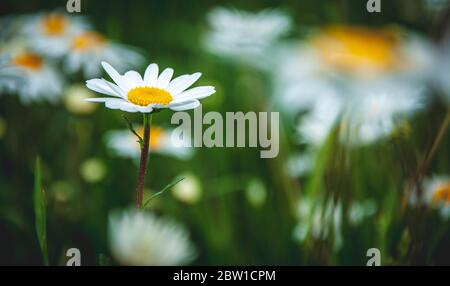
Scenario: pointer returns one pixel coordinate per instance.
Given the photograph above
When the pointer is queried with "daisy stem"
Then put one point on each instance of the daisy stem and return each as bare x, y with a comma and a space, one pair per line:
143, 161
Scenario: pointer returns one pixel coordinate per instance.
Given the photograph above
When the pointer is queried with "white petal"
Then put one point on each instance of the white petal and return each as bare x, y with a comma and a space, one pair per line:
135, 78
117, 89
176, 82
185, 106
194, 93
99, 85
120, 104
100, 99
116, 77
151, 75
144, 109
185, 84
164, 78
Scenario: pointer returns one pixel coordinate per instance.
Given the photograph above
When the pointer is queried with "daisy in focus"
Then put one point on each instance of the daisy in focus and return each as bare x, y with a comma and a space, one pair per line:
124, 143
436, 194
88, 49
133, 93
41, 82
142, 239
243, 35
51, 34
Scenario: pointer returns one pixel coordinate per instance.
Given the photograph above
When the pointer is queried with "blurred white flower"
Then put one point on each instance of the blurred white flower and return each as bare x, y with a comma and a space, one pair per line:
51, 34
132, 93
315, 126
189, 190
141, 239
74, 99
244, 35
378, 110
88, 49
436, 194
374, 78
10, 75
125, 144
40, 81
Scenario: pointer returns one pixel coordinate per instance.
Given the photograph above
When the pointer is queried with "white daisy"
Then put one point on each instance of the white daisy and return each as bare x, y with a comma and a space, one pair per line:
41, 80
315, 126
378, 110
243, 35
125, 144
10, 75
436, 193
132, 93
141, 239
51, 34
88, 49
378, 76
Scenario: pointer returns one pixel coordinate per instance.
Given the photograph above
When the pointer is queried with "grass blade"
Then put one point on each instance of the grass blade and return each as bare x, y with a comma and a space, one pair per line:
39, 211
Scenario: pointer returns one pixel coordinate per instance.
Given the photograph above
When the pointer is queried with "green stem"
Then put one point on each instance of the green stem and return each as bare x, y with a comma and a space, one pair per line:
143, 161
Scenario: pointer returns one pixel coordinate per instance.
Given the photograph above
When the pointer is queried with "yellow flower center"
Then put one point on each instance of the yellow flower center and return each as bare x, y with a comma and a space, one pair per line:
156, 134
355, 48
442, 194
28, 60
88, 40
54, 24
144, 96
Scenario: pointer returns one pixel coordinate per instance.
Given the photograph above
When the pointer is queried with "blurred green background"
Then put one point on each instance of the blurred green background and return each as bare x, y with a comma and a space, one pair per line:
226, 225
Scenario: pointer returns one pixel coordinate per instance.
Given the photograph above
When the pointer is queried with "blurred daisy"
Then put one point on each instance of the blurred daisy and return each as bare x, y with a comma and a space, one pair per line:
370, 72
125, 144
88, 49
142, 239
243, 35
40, 80
377, 113
189, 190
132, 93
51, 34
436, 193
10, 75
315, 126
75, 99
